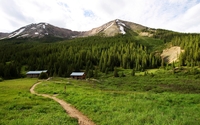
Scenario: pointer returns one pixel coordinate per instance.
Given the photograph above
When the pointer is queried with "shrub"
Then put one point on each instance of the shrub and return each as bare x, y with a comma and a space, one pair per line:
194, 71
1, 79
146, 73
151, 74
116, 73
123, 75
133, 72
43, 75
197, 76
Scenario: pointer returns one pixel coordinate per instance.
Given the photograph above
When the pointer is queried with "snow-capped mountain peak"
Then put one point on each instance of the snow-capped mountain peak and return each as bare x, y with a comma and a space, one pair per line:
40, 30
44, 29
115, 27
16, 33
121, 26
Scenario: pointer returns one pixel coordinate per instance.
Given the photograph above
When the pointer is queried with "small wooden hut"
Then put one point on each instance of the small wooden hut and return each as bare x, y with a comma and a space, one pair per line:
77, 75
35, 74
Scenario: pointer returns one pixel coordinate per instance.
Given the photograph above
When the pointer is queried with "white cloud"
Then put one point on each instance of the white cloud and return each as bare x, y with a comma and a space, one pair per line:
178, 15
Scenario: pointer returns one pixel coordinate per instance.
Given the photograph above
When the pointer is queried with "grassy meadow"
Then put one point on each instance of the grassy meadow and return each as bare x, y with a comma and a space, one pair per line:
159, 99
19, 107
154, 97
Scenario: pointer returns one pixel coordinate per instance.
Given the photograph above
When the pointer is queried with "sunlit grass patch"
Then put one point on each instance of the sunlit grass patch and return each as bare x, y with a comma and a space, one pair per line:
116, 101
19, 107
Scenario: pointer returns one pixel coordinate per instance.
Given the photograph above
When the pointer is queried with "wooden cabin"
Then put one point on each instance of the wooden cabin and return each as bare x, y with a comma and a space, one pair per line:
35, 74
77, 75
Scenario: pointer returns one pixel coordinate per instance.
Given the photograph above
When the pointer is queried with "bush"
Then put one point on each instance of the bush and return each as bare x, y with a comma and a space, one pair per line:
133, 72
194, 71
43, 75
123, 75
151, 74
1, 79
116, 73
197, 76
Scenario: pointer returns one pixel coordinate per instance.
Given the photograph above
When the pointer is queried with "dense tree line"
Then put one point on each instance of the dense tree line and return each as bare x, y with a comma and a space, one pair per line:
90, 54
10, 70
190, 44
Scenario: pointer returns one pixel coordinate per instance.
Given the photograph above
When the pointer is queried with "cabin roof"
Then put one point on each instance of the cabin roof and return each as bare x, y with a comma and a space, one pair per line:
77, 74
36, 72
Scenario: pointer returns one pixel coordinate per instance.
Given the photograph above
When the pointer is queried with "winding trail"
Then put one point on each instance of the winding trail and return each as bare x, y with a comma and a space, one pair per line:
71, 111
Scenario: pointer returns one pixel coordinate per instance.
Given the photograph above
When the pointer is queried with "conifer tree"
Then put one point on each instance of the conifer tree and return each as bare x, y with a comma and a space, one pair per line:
133, 72
43, 75
116, 72
96, 73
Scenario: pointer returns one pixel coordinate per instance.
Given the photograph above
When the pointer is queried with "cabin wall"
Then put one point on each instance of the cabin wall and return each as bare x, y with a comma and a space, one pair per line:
33, 75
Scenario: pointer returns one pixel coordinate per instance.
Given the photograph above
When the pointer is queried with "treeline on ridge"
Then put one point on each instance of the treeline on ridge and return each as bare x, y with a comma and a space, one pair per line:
91, 53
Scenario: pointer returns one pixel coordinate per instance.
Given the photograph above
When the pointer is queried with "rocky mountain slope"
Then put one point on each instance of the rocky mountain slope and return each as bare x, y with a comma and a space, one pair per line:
171, 54
40, 30
2, 35
44, 29
115, 27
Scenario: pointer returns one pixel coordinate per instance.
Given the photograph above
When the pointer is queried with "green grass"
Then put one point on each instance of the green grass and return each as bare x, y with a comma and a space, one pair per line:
127, 101
151, 43
19, 107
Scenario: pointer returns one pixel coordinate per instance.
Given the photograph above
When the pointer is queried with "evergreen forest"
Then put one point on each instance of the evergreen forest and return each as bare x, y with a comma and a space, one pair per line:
94, 54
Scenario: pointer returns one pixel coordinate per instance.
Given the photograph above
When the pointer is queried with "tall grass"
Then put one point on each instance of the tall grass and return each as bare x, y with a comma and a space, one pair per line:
19, 107
108, 103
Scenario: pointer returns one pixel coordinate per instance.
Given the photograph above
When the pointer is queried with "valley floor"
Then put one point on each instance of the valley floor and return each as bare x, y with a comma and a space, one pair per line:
152, 99
71, 111
113, 101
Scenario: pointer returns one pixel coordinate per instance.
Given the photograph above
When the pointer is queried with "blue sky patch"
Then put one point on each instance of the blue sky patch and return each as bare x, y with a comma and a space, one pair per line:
88, 13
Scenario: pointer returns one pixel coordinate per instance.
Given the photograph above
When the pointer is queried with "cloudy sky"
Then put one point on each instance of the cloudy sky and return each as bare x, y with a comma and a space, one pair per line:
82, 15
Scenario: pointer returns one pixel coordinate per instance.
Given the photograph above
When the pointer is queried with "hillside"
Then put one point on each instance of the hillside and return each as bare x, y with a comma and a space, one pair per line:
171, 55
132, 47
115, 27
111, 28
2, 35
40, 30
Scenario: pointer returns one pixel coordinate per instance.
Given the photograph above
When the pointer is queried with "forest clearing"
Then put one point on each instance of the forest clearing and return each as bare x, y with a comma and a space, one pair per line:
111, 100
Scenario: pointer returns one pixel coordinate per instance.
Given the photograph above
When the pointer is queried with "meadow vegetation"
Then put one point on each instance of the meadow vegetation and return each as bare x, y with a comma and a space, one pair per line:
61, 57
19, 107
160, 99
128, 87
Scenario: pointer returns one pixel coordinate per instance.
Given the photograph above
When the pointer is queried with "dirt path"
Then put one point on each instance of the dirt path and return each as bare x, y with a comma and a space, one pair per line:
71, 111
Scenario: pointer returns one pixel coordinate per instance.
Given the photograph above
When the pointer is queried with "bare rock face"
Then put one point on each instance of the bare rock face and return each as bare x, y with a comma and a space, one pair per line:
3, 35
40, 30
171, 55
114, 27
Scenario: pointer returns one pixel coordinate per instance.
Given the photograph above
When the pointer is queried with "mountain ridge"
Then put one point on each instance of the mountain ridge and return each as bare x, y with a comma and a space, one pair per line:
115, 27
39, 30
42, 29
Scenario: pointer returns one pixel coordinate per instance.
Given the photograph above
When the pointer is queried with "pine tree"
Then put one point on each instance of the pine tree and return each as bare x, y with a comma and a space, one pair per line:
43, 75
106, 72
133, 72
90, 74
163, 63
122, 74
96, 73
116, 72
1, 79
60, 72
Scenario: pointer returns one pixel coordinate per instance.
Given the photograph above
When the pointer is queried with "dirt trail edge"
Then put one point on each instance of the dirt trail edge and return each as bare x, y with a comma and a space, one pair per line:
82, 119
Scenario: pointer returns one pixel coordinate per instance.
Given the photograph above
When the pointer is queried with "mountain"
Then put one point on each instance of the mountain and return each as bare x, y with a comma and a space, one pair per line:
158, 49
40, 30
2, 35
115, 27
44, 29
